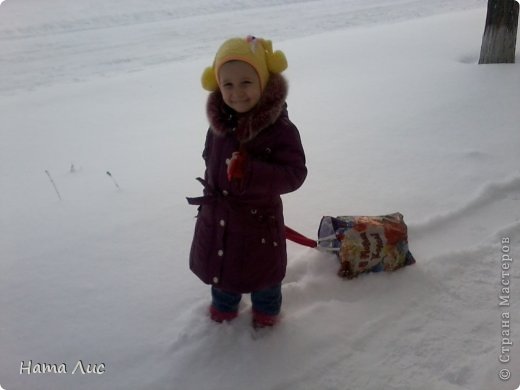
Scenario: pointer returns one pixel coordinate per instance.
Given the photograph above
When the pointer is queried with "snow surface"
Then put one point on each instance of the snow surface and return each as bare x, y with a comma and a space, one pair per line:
394, 114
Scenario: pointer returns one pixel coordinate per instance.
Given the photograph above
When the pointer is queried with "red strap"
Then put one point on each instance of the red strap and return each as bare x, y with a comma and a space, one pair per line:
298, 238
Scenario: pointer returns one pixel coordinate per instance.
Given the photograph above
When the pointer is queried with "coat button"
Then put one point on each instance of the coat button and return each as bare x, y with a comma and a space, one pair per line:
220, 253
222, 223
275, 243
263, 240
225, 193
215, 280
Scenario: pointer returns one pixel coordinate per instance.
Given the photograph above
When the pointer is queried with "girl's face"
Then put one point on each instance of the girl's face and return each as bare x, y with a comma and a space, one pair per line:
239, 85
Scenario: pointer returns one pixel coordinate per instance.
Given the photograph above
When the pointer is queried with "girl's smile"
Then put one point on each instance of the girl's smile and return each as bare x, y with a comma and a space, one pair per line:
239, 85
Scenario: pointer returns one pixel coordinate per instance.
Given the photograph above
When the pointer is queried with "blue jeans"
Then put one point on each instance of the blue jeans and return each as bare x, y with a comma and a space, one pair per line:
267, 301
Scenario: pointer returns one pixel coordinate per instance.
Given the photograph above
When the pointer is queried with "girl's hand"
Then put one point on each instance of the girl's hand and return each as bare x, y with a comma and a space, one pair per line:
236, 166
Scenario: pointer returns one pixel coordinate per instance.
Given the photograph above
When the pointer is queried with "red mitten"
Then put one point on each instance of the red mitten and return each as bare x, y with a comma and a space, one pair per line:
236, 166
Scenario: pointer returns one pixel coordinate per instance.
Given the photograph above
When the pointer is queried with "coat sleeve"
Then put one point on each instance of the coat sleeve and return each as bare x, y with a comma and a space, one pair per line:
207, 146
206, 156
283, 173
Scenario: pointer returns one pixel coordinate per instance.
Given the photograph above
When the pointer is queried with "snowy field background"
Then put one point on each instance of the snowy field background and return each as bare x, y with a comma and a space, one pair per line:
395, 115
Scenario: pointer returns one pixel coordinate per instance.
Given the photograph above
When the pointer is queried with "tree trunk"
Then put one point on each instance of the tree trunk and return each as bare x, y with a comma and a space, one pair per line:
499, 40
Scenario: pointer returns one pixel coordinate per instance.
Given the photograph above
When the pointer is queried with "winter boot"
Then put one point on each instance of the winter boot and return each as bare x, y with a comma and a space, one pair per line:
221, 316
261, 320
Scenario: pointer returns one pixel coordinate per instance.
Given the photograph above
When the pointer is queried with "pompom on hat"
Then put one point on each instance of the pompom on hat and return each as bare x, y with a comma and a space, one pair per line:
257, 52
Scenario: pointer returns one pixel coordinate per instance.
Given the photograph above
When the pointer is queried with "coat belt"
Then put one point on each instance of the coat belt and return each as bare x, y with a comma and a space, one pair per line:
210, 197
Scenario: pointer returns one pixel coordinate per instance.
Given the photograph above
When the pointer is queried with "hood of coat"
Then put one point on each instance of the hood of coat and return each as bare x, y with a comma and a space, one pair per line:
223, 119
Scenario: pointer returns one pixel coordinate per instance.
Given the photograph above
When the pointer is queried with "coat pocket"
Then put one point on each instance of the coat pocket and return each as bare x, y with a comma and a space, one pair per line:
259, 256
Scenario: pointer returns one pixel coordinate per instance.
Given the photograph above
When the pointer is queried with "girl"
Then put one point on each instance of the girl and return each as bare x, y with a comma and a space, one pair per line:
253, 154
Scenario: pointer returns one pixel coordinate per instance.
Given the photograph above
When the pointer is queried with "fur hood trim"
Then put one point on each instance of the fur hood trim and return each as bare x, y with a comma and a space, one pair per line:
223, 119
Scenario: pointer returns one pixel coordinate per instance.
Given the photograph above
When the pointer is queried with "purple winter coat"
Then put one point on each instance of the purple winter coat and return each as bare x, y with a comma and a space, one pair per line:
239, 240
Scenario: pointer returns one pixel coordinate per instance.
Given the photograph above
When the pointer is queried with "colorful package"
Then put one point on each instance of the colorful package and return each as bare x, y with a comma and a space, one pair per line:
366, 244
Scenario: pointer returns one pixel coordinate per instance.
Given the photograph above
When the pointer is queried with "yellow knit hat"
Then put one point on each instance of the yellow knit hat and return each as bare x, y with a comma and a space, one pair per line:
257, 52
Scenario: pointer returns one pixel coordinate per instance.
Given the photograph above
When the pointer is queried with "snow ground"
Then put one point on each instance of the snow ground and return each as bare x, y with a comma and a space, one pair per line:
395, 115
